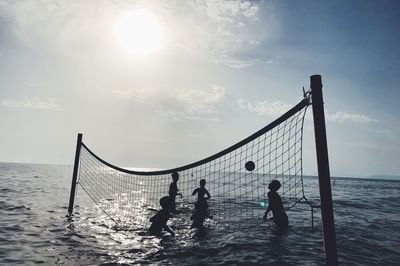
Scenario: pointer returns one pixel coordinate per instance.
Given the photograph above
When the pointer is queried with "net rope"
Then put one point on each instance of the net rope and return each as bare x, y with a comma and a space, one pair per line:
238, 196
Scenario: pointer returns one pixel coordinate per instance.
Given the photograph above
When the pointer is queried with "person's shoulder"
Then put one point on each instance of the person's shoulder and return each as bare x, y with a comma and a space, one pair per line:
155, 217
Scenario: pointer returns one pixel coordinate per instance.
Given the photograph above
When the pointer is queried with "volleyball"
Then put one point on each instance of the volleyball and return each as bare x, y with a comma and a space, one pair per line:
250, 166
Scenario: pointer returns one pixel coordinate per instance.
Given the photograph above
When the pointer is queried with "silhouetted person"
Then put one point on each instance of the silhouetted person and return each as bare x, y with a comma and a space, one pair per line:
275, 205
160, 219
201, 192
173, 191
201, 206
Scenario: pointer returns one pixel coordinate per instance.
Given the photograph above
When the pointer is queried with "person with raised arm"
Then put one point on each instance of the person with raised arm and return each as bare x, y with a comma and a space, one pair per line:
201, 206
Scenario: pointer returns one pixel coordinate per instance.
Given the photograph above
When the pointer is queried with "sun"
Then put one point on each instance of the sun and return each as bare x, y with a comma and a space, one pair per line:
139, 33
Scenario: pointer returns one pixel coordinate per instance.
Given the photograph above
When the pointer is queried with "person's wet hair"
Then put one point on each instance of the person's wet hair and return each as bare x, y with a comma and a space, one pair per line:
165, 201
274, 185
175, 175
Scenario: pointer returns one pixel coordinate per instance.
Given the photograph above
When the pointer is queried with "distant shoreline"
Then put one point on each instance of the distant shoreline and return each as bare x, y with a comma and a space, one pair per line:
377, 178
372, 177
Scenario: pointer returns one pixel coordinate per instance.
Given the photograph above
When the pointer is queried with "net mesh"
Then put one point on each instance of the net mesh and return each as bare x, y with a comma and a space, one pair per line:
238, 195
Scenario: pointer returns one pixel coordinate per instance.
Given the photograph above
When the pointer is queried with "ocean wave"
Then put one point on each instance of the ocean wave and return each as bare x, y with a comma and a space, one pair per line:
34, 229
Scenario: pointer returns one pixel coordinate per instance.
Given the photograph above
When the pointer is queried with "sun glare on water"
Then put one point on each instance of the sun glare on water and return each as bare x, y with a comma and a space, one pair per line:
139, 33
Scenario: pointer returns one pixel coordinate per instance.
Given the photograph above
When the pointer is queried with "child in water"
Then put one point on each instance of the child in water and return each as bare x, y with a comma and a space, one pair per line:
160, 219
201, 191
173, 191
275, 205
201, 206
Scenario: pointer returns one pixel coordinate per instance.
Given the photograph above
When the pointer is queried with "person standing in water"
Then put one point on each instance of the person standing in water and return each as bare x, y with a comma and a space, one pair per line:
160, 219
201, 206
201, 192
275, 205
173, 191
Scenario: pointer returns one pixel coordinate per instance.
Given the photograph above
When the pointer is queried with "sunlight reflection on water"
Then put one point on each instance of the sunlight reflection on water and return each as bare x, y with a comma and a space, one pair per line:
34, 228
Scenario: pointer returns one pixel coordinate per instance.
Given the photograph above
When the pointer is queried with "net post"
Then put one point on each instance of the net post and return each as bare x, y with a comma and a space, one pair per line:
75, 174
328, 223
312, 217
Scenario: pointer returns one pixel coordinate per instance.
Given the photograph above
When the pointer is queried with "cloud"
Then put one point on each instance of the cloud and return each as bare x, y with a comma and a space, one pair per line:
198, 96
205, 113
178, 103
53, 25
276, 108
33, 103
241, 63
384, 132
227, 10
228, 26
201, 109
341, 117
137, 95
205, 26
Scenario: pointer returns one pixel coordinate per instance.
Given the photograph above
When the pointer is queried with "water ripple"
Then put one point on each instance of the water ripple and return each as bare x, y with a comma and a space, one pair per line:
34, 229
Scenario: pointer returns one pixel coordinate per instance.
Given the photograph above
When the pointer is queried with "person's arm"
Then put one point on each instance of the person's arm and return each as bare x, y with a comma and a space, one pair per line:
194, 192
208, 194
266, 213
166, 228
268, 208
177, 193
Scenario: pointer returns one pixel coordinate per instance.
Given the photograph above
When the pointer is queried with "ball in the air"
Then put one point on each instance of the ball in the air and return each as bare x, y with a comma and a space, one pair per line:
250, 166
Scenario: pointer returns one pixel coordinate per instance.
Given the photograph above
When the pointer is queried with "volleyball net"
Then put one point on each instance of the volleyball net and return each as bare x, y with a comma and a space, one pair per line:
237, 178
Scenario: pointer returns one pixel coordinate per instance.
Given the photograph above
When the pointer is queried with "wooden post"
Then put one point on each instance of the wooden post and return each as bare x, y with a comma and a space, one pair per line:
328, 223
75, 175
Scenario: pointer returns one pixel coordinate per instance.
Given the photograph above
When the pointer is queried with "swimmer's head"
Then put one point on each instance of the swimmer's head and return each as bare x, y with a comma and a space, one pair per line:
175, 176
202, 182
164, 202
274, 185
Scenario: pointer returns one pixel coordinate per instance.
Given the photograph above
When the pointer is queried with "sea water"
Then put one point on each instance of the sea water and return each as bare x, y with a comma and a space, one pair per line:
35, 230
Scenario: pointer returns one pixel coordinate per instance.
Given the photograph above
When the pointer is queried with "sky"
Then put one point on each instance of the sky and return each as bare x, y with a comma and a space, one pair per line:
160, 84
